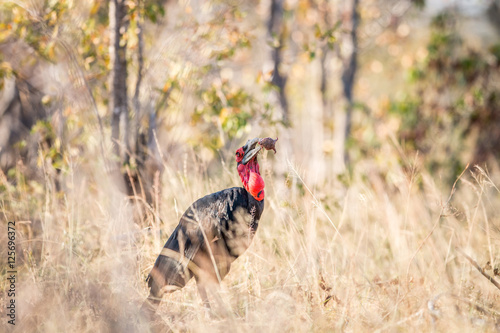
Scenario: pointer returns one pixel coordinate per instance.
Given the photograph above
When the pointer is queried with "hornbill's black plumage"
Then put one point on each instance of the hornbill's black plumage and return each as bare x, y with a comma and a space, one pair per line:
212, 233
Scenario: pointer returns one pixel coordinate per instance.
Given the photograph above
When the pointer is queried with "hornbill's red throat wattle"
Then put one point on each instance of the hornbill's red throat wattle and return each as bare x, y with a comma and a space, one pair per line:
212, 233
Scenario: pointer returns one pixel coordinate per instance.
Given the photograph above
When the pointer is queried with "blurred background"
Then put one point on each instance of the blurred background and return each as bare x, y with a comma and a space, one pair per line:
115, 115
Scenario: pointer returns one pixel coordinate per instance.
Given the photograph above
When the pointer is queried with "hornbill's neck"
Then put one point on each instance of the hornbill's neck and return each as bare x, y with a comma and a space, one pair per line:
251, 179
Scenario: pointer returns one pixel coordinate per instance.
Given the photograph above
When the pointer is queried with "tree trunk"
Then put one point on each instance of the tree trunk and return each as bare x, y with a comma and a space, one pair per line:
342, 118
276, 30
135, 100
325, 53
118, 24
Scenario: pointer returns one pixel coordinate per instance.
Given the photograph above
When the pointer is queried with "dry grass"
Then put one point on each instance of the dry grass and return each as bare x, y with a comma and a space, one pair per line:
377, 254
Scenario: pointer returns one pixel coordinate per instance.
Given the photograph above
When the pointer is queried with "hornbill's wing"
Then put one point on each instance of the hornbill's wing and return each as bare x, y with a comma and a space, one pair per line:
206, 220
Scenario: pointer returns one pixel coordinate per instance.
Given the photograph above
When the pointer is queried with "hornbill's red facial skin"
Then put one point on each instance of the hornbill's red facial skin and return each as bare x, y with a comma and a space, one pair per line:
213, 232
249, 172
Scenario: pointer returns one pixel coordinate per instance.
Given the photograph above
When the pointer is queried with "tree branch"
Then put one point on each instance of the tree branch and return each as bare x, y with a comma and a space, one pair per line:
475, 264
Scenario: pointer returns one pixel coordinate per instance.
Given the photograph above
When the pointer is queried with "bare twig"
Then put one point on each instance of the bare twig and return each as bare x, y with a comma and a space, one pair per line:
453, 189
475, 264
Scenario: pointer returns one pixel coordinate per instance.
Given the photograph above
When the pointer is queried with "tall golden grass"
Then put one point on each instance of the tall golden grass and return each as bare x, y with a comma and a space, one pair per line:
379, 251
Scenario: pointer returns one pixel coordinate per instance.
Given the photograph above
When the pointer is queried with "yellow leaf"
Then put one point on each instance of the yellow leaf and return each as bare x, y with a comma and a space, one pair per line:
4, 34
5, 66
51, 50
224, 113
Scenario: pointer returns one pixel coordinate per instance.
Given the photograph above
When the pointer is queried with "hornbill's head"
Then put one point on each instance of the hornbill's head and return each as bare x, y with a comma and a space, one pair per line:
248, 167
248, 152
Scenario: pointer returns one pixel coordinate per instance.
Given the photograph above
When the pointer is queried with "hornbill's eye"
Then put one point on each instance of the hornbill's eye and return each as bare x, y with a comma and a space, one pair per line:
238, 154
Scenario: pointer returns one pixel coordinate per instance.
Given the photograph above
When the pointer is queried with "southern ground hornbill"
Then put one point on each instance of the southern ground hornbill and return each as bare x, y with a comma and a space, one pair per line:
212, 233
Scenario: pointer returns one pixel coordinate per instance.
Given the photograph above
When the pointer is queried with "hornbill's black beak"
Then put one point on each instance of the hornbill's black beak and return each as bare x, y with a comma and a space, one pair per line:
251, 148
